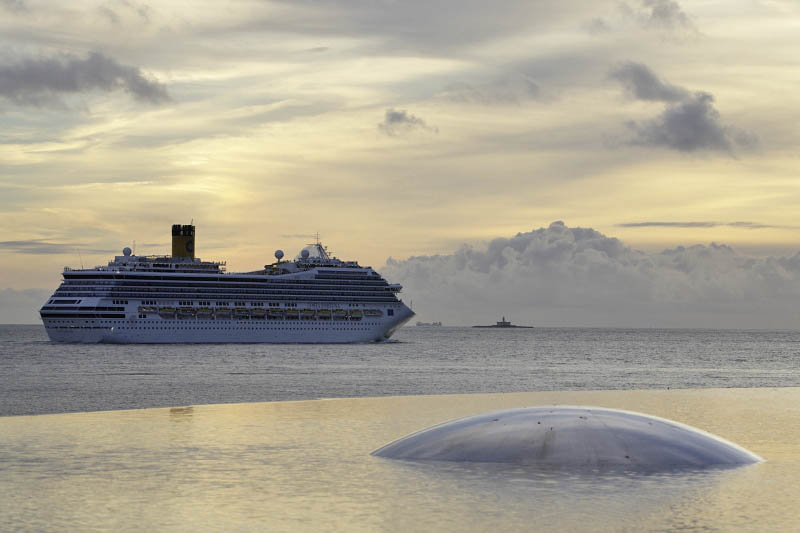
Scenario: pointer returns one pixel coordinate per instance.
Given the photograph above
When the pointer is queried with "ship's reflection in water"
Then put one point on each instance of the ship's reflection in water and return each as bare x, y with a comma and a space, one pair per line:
306, 466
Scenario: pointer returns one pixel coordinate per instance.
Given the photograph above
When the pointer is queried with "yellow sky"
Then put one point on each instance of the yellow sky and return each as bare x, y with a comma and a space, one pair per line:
277, 122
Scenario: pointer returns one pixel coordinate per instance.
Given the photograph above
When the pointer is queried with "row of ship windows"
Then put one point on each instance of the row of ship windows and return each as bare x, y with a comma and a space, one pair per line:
302, 298
226, 321
205, 283
207, 303
240, 329
218, 328
229, 289
225, 288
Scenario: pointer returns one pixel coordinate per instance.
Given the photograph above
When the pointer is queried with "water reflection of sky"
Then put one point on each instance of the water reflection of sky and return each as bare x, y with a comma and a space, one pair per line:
306, 466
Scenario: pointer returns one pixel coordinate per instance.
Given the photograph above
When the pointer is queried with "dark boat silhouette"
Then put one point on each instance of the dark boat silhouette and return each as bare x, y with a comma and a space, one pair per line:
503, 324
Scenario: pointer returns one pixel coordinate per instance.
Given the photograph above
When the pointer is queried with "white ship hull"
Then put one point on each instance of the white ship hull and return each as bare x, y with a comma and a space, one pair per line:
181, 299
166, 331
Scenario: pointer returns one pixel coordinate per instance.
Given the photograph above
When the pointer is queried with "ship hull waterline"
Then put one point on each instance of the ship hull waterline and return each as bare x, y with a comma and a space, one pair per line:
251, 331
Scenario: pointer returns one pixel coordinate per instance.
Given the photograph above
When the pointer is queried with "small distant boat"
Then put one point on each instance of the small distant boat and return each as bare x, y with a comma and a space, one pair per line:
503, 324
429, 324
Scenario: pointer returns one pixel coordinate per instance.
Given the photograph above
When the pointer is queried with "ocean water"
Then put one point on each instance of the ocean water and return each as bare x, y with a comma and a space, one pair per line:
37, 376
306, 466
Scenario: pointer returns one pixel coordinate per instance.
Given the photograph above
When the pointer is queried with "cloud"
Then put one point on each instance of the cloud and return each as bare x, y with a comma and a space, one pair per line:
400, 122
14, 6
643, 84
662, 14
41, 81
565, 276
688, 123
512, 90
666, 14
42, 246
668, 224
597, 26
21, 306
703, 224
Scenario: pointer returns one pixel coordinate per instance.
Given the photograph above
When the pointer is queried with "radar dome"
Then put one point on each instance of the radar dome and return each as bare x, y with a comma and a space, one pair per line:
571, 437
304, 254
126, 251
278, 254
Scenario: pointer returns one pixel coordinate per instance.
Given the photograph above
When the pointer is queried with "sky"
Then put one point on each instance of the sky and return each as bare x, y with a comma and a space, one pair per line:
422, 138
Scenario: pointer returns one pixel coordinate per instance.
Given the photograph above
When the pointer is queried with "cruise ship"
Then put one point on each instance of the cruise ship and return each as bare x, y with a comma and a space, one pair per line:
315, 298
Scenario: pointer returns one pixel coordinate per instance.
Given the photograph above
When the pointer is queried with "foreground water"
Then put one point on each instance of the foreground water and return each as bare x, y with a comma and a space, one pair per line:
305, 466
37, 376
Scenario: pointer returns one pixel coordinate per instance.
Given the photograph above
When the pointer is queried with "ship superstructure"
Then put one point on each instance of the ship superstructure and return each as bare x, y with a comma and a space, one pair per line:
315, 298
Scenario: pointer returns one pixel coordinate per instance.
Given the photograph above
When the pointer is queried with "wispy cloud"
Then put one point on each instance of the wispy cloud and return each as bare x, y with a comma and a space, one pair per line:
41, 81
511, 90
703, 224
643, 84
43, 246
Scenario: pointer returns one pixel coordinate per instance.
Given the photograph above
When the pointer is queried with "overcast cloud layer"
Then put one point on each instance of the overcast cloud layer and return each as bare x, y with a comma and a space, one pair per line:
563, 276
392, 128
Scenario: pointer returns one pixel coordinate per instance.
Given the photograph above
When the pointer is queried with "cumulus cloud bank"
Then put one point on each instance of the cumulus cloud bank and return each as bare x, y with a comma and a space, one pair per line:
563, 276
41, 81
688, 123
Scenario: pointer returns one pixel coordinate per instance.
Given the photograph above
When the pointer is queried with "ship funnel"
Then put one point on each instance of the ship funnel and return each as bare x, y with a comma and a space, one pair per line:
183, 241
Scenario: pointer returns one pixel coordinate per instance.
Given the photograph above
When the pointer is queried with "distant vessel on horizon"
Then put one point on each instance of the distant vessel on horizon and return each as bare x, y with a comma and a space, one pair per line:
429, 324
504, 324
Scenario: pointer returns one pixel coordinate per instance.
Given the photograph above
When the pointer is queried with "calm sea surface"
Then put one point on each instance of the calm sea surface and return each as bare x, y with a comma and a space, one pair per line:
38, 377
